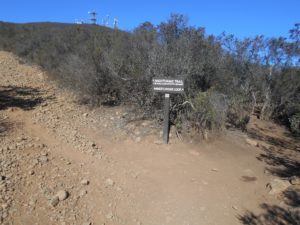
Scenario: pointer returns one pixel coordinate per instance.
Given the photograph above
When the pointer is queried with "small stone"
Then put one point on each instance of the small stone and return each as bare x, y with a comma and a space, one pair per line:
109, 182
30, 145
124, 115
295, 180
277, 186
4, 215
44, 154
109, 215
82, 192
87, 223
214, 170
252, 142
84, 182
267, 172
54, 201
62, 195
32, 203
235, 207
43, 159
34, 162
158, 142
12, 147
138, 139
146, 123
21, 138
4, 206
85, 114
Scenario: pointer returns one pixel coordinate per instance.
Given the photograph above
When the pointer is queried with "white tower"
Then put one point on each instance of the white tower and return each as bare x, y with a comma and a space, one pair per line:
93, 15
116, 22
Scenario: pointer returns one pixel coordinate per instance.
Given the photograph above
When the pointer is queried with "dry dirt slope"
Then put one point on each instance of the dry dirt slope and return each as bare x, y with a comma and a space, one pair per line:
61, 163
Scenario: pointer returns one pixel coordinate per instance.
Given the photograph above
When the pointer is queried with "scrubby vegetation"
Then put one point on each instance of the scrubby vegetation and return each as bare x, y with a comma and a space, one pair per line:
226, 79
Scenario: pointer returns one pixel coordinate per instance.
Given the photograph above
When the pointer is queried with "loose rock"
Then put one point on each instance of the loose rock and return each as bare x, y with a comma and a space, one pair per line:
62, 195
109, 182
43, 159
84, 182
295, 180
277, 186
4, 206
252, 142
82, 192
109, 215
54, 201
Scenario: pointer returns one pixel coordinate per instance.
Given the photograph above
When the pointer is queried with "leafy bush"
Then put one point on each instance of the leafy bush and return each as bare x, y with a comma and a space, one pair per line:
239, 111
295, 123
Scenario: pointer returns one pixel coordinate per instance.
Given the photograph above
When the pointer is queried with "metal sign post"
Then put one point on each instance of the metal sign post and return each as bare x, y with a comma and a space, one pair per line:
167, 86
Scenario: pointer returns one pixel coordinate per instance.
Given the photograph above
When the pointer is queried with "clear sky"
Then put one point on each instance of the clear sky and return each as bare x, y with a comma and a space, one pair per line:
240, 17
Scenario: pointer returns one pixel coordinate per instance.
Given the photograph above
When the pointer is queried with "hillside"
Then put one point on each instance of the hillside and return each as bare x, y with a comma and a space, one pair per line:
65, 163
226, 79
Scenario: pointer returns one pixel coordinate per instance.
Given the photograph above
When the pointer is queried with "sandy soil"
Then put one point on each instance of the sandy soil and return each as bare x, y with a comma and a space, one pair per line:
115, 172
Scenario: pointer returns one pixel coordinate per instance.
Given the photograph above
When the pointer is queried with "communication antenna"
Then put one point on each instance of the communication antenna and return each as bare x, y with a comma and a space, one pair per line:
116, 22
93, 15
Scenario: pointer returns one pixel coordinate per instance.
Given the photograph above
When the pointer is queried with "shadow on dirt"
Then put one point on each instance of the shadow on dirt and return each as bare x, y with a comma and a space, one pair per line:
290, 142
4, 127
280, 164
272, 215
282, 157
282, 160
292, 197
25, 98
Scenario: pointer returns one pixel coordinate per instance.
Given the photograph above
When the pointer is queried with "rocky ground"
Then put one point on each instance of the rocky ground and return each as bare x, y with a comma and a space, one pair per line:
62, 163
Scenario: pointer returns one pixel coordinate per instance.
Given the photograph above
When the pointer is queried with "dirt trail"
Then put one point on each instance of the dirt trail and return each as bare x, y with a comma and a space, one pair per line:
53, 144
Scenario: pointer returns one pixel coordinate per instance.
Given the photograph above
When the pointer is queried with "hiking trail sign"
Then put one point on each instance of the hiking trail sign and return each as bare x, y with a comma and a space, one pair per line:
167, 86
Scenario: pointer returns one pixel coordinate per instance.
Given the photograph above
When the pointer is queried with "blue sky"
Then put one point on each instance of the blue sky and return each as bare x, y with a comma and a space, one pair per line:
240, 17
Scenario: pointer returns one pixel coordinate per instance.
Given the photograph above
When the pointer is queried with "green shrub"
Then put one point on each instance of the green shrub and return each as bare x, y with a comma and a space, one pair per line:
295, 123
239, 111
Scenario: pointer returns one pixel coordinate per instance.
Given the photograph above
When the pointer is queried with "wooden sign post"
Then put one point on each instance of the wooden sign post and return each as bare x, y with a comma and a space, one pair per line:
167, 86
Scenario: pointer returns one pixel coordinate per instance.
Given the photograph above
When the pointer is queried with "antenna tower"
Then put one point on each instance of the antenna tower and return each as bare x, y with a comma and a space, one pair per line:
116, 22
93, 15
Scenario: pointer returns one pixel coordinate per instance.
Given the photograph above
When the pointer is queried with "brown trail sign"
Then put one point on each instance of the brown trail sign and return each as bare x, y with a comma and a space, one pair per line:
167, 86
